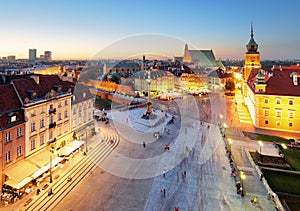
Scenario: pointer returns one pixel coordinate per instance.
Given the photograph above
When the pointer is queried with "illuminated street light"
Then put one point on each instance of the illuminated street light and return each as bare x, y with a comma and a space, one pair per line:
50, 170
243, 178
284, 146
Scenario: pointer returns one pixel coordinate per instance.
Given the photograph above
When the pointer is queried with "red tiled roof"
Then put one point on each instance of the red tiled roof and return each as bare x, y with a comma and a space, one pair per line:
278, 80
24, 84
8, 98
45, 84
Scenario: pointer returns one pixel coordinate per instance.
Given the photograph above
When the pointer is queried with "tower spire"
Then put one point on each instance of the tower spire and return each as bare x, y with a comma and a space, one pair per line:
252, 30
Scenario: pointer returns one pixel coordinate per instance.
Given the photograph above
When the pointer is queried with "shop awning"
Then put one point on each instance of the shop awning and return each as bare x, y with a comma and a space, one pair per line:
40, 172
19, 185
40, 159
55, 161
18, 172
69, 148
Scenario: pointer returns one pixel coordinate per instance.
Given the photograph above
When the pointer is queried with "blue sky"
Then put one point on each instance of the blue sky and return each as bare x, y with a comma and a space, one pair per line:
80, 29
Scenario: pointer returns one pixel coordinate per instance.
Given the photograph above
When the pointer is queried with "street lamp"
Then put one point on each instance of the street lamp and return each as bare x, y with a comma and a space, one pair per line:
243, 177
50, 170
261, 144
284, 146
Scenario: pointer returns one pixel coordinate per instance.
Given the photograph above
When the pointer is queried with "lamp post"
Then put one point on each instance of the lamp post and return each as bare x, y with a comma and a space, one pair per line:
261, 144
86, 140
284, 146
50, 170
243, 177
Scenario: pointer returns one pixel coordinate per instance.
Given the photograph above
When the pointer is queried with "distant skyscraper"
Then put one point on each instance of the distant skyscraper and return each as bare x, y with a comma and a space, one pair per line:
11, 58
48, 55
32, 54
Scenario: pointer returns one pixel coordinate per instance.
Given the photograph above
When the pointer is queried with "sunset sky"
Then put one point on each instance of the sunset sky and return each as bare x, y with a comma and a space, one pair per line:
74, 29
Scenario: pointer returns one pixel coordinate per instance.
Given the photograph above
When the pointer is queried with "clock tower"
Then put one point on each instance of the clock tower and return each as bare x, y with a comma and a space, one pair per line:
252, 56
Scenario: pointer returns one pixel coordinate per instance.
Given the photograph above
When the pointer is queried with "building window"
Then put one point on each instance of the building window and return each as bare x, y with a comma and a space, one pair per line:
278, 101
32, 126
66, 114
59, 116
13, 118
266, 100
66, 102
51, 119
266, 122
32, 113
7, 157
51, 107
291, 102
266, 112
291, 124
19, 132
291, 114
8, 137
50, 134
42, 140
19, 151
277, 123
59, 104
32, 144
278, 112
42, 123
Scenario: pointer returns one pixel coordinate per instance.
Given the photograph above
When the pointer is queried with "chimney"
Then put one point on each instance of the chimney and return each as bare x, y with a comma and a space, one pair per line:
295, 78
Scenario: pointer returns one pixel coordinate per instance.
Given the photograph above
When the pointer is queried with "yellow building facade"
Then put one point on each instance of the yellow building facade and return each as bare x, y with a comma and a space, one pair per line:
273, 99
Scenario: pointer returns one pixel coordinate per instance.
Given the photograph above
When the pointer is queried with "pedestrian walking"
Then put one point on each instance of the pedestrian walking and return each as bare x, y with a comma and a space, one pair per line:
144, 144
164, 171
50, 192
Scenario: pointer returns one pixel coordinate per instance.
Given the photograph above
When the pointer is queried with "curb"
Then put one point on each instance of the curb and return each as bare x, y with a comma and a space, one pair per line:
265, 182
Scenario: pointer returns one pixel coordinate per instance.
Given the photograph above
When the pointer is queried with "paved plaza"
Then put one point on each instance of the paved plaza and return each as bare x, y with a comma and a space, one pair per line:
193, 175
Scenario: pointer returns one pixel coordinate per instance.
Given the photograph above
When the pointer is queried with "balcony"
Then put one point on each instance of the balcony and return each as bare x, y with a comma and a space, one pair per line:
52, 125
52, 111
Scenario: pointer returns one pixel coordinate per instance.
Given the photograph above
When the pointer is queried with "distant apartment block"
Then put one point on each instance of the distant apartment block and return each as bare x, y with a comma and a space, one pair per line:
48, 55
32, 55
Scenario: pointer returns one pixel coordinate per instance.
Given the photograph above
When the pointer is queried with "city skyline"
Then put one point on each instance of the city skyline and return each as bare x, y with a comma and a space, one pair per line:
79, 30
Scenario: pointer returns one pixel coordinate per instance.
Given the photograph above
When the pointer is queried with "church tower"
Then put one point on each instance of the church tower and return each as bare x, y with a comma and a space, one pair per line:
252, 56
187, 56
